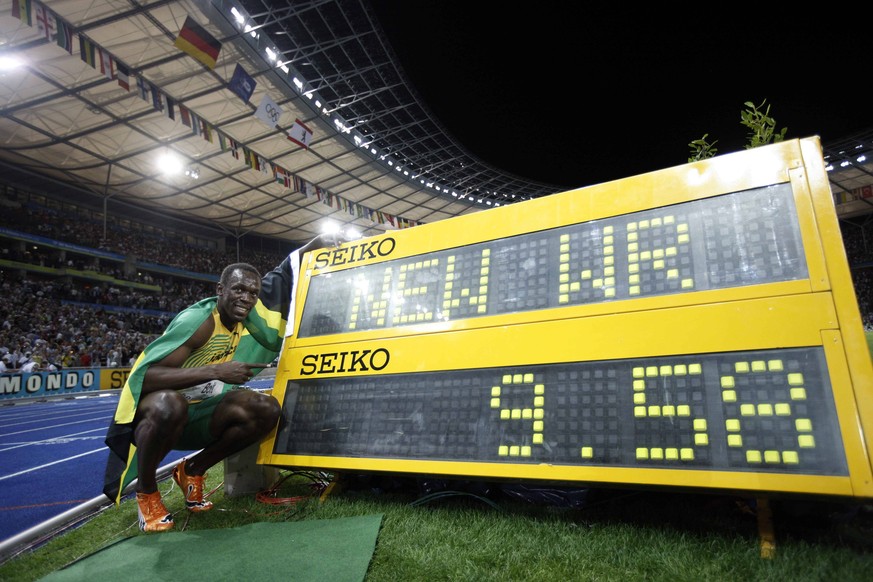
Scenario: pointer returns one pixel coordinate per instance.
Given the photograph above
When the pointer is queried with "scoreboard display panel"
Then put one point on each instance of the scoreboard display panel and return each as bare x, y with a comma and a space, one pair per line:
691, 327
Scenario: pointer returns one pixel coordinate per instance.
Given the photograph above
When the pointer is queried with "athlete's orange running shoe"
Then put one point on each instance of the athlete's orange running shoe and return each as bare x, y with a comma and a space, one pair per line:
192, 488
153, 516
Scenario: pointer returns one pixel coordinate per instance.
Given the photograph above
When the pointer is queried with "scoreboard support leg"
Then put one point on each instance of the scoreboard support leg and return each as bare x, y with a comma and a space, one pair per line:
765, 528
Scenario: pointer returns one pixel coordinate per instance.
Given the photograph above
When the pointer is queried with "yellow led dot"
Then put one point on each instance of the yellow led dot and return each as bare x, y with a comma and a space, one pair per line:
759, 366
666, 370
503, 450
586, 274
699, 424
798, 393
772, 457
486, 252
539, 401
682, 239
608, 261
517, 378
609, 281
609, 292
671, 454
495, 403
564, 248
586, 452
646, 256
352, 325
507, 379
695, 369
687, 283
631, 226
525, 451
672, 273
644, 224
634, 290
765, 410
474, 300
790, 457
527, 413
563, 298
597, 283
669, 410
652, 371
657, 454
732, 424
795, 379
806, 441
514, 450
633, 258
687, 454
775, 365
639, 411
658, 264
538, 426
654, 410
682, 227
640, 398
642, 453
671, 251
505, 414
539, 413
608, 250
782, 409
564, 238
734, 440
575, 286
539, 388
516, 413
564, 267
633, 279
638, 372
633, 247
803, 425
608, 240
727, 382
701, 439
683, 410
609, 271
729, 395
741, 367
456, 302
747, 410
680, 370
564, 278
564, 257
632, 236
447, 295
608, 230
658, 254
753, 457
633, 268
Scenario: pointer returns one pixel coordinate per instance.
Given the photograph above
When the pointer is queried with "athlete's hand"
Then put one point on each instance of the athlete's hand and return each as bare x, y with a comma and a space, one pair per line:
238, 372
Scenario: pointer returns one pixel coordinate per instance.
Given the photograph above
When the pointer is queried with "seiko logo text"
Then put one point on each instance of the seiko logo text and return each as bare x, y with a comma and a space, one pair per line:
353, 361
355, 253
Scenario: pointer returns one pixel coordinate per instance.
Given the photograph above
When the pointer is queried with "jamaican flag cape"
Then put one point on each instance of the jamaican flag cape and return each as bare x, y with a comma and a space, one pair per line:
260, 342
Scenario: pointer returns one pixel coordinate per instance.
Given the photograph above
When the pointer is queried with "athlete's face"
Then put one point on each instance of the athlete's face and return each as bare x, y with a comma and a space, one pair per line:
238, 296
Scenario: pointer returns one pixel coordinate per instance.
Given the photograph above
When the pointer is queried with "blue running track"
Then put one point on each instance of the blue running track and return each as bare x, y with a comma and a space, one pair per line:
52, 457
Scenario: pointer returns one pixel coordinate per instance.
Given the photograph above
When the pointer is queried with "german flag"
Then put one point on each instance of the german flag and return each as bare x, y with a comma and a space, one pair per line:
194, 40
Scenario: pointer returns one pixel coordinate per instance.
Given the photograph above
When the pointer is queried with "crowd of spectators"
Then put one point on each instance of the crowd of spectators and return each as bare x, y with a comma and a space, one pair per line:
55, 322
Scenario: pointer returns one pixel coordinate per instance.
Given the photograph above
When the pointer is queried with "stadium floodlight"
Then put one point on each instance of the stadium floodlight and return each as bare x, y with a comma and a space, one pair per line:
170, 164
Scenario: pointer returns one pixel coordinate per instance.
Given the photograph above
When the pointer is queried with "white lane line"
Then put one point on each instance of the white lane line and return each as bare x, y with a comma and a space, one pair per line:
45, 428
100, 450
56, 440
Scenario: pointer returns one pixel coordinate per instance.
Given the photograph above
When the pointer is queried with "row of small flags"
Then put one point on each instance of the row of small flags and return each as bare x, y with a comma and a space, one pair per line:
854, 194
198, 43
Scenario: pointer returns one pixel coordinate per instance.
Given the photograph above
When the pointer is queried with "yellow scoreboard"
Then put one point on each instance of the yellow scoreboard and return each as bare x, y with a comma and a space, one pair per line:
691, 327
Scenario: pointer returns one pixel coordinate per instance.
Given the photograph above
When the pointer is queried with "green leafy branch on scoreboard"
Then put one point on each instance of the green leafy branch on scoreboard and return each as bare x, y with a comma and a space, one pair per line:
762, 132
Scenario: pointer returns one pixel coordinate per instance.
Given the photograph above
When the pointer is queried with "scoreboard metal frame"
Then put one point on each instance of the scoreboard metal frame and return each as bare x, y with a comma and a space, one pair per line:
691, 327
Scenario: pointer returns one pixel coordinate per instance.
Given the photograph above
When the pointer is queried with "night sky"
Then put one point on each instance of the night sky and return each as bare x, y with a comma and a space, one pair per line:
574, 94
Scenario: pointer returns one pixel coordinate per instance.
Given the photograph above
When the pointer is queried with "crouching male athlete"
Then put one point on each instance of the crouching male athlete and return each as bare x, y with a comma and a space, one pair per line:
180, 392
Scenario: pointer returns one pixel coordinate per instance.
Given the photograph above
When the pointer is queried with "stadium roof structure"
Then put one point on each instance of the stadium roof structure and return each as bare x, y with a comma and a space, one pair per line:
377, 158
106, 89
